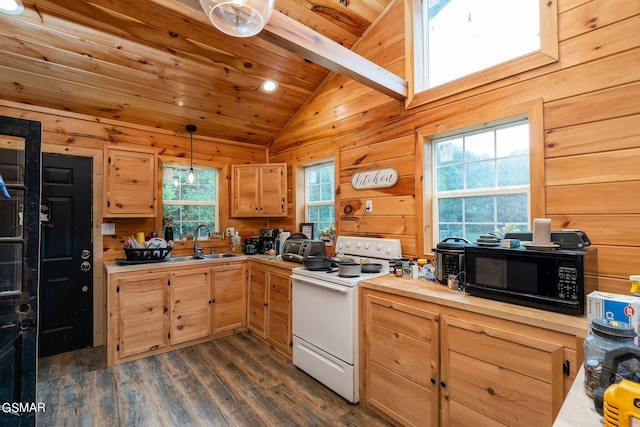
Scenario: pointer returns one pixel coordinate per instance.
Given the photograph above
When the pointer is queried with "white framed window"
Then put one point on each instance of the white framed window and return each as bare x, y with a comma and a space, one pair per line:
319, 196
190, 204
463, 44
481, 180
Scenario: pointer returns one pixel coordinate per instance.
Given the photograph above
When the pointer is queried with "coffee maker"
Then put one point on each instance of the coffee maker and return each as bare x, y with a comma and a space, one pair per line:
267, 240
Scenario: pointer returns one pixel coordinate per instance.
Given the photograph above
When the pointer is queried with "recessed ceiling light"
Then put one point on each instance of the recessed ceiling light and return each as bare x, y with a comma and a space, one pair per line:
11, 7
269, 86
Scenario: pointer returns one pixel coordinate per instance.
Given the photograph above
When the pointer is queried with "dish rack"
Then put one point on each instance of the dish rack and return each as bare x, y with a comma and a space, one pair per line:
151, 254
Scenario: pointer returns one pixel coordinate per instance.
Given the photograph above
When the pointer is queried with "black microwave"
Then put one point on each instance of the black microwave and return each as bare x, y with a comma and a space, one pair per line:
549, 280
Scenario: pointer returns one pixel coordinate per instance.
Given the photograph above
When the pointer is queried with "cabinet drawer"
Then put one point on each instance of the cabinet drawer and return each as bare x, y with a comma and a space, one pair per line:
402, 399
400, 318
512, 398
535, 359
402, 354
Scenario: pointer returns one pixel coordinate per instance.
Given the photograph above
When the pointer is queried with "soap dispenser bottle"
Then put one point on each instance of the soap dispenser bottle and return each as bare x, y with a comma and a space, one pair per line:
236, 243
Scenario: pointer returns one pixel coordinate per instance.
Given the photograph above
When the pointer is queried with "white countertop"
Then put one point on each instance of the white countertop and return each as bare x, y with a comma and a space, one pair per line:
578, 409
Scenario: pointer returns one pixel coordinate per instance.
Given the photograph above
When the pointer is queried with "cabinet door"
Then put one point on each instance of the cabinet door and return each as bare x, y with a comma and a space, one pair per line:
129, 183
245, 190
279, 311
190, 305
229, 298
142, 312
273, 190
401, 361
257, 313
493, 375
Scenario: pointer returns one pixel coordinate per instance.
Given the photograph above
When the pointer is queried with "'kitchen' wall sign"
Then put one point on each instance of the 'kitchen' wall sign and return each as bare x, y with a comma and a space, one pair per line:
378, 178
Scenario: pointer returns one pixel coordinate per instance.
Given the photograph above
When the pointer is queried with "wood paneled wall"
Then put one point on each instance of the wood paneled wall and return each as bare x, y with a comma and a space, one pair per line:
591, 143
74, 134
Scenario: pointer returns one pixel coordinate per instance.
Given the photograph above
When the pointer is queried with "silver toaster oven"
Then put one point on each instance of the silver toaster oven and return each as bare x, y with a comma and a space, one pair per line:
297, 249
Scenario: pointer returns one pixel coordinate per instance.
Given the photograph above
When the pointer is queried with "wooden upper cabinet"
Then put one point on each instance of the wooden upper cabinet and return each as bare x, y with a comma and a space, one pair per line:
130, 183
259, 190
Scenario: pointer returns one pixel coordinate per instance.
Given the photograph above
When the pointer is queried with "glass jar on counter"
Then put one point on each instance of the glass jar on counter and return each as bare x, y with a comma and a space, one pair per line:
606, 335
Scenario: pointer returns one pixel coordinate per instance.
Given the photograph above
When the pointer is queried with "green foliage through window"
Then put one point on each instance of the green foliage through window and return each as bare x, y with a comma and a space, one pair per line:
320, 196
482, 182
190, 204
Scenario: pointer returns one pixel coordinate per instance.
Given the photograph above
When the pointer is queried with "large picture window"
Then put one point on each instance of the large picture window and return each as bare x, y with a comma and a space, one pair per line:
190, 204
459, 45
481, 181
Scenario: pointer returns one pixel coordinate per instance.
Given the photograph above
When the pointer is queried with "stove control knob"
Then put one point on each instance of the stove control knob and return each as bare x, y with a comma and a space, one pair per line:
359, 244
348, 243
366, 245
388, 250
379, 246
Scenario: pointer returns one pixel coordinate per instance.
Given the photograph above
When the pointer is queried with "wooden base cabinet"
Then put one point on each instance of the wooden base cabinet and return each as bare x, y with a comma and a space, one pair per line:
269, 307
401, 356
425, 364
229, 299
190, 305
140, 314
154, 311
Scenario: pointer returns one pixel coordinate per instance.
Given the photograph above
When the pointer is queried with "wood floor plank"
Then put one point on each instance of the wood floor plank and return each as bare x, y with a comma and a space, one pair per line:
233, 381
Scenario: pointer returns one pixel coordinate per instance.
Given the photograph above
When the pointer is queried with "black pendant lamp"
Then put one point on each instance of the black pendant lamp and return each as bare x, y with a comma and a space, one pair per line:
191, 176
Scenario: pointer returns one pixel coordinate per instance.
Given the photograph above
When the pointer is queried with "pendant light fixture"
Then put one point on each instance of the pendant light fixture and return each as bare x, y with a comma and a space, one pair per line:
238, 18
191, 176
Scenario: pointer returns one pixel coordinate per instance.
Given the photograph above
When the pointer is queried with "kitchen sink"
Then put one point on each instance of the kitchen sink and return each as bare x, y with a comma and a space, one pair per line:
216, 256
207, 256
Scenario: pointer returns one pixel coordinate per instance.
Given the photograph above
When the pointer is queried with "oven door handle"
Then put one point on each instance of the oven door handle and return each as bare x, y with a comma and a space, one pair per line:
321, 283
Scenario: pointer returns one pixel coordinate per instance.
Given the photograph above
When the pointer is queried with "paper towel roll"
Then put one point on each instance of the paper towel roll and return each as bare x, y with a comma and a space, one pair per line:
541, 231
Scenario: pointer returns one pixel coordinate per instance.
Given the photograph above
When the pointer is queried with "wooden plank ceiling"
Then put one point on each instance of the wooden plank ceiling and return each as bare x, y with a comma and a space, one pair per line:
161, 63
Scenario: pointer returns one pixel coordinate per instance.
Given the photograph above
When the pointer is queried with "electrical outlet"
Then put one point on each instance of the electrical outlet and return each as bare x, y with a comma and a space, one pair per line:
368, 206
230, 231
107, 229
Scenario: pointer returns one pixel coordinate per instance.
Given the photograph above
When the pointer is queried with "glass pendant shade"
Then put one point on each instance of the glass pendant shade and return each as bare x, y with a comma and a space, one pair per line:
238, 18
11, 7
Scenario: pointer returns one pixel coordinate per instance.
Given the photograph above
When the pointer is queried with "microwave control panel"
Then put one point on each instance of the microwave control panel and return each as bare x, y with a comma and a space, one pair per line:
568, 283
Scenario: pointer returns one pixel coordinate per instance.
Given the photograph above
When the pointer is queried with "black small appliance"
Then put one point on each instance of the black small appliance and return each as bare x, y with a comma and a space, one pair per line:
449, 258
251, 245
267, 240
551, 280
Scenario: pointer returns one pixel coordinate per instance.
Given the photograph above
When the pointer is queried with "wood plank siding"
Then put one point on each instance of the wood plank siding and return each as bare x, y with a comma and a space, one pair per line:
590, 178
591, 134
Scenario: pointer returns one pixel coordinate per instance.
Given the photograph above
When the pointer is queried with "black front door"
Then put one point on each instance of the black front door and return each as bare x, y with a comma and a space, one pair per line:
19, 250
66, 258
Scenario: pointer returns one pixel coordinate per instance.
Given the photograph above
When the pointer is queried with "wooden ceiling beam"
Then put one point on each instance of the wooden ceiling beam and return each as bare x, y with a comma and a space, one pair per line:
295, 37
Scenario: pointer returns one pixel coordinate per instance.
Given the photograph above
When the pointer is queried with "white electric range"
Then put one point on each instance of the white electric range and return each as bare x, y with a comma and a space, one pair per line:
325, 314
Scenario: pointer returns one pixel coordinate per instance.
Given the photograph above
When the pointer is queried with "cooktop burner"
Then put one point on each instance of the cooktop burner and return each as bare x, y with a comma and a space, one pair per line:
348, 276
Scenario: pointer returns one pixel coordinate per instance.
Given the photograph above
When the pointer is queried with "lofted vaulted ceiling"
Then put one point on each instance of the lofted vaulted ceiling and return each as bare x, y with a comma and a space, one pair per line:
161, 63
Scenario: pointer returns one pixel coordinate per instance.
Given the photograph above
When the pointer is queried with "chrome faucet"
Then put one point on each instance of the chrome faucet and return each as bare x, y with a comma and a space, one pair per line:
197, 252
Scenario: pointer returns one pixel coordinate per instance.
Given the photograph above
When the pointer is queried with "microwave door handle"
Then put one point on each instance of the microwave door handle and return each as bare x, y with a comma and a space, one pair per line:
320, 283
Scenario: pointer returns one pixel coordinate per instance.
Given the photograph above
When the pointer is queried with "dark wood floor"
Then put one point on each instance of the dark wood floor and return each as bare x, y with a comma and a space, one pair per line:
232, 381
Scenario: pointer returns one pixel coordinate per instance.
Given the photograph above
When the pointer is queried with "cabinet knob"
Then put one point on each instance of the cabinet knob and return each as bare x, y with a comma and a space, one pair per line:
443, 384
433, 380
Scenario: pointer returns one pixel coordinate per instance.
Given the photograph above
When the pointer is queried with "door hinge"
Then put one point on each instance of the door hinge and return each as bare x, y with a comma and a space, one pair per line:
108, 203
117, 288
169, 282
118, 347
169, 335
109, 160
